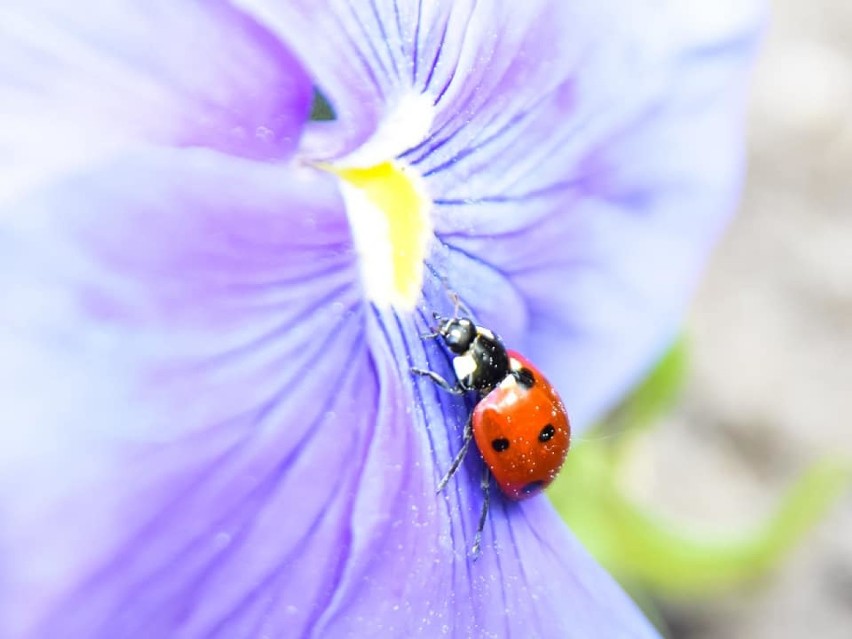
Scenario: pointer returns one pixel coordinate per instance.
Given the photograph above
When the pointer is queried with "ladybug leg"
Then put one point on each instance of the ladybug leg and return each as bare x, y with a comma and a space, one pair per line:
440, 381
483, 515
467, 438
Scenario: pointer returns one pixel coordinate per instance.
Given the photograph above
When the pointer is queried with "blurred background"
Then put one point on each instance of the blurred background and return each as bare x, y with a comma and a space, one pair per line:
768, 389
711, 494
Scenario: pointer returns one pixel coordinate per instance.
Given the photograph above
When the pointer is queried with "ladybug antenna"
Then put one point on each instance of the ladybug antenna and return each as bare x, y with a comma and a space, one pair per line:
439, 321
436, 332
458, 305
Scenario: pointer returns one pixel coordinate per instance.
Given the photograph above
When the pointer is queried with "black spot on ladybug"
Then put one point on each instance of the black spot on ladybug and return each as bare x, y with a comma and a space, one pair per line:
500, 444
546, 433
525, 378
532, 487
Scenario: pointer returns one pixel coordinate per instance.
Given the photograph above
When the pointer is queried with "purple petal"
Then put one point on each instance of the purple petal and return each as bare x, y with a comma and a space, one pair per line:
597, 190
374, 57
212, 439
410, 571
177, 330
582, 157
82, 79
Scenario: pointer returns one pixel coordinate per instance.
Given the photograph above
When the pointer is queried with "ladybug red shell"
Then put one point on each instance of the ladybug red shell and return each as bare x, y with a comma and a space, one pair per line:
521, 429
519, 423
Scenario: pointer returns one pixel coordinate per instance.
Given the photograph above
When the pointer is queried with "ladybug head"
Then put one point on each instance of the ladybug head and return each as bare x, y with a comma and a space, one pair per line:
458, 334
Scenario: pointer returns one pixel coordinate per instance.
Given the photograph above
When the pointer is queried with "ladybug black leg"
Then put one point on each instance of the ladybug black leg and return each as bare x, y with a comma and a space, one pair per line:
440, 381
467, 438
486, 498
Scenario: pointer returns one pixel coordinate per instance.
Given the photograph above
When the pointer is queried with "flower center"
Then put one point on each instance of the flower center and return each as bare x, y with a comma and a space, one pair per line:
388, 212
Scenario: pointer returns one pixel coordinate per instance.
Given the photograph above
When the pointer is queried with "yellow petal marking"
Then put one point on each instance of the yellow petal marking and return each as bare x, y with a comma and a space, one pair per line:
388, 211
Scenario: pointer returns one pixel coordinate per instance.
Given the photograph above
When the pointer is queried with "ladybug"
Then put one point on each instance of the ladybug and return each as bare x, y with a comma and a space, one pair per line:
519, 423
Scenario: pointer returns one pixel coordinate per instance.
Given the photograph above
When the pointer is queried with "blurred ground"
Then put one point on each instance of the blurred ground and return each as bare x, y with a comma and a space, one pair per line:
770, 387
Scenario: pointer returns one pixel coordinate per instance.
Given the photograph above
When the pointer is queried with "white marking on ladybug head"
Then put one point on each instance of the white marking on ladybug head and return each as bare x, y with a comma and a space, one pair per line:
464, 366
481, 330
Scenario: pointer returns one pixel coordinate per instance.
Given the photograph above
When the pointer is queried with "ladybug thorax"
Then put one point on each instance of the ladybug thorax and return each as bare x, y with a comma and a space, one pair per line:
484, 364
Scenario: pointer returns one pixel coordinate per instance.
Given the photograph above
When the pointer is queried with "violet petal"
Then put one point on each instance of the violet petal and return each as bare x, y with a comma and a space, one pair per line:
582, 157
83, 80
180, 330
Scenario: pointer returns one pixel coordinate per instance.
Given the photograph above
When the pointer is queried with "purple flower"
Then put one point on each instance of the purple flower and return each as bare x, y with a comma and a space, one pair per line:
210, 306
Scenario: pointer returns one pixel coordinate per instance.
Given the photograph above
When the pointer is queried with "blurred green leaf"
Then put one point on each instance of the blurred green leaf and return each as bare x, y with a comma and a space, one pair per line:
642, 548
648, 551
656, 394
